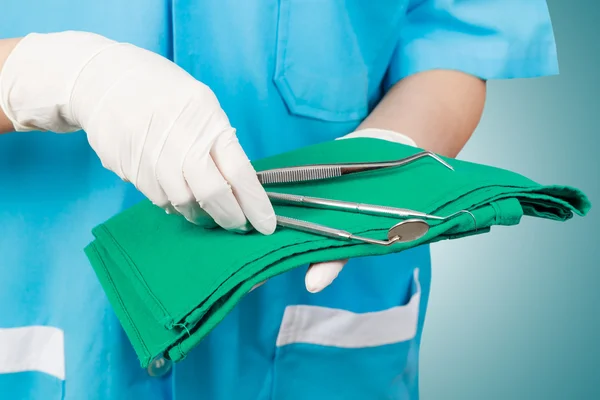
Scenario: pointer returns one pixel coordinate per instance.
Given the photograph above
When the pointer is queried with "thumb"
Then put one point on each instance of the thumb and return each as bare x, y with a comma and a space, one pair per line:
320, 275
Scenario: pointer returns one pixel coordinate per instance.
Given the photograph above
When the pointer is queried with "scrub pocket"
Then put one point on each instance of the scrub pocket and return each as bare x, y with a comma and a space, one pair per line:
32, 363
332, 55
327, 353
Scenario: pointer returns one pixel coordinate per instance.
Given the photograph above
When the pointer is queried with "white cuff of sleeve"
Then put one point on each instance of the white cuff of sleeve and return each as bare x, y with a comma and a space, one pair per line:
382, 134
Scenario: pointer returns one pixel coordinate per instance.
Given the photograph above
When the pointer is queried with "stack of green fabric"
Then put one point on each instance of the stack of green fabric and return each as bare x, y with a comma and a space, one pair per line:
171, 282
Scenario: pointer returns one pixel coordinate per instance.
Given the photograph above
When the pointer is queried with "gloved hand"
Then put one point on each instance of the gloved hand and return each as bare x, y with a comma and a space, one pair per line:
321, 275
148, 120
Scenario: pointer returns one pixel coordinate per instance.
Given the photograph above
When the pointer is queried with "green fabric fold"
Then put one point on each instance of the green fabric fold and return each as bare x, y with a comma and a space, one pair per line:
171, 282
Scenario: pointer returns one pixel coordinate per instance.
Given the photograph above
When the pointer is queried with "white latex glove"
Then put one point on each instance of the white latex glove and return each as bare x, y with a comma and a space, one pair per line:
320, 275
148, 120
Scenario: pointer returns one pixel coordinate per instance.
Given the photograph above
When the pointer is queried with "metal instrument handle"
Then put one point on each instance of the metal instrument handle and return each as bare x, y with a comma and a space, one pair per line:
310, 227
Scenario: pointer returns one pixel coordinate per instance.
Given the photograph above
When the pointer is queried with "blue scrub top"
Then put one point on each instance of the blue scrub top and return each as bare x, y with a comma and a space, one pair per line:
288, 73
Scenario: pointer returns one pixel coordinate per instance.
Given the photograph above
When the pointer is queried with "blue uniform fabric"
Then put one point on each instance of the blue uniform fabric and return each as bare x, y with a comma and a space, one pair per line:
288, 73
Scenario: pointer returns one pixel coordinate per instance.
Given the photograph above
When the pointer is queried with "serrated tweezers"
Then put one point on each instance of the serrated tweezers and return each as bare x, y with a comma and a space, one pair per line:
314, 172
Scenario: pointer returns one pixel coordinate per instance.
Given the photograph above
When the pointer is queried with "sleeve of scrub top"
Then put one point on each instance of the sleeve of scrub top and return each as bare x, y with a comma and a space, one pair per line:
491, 39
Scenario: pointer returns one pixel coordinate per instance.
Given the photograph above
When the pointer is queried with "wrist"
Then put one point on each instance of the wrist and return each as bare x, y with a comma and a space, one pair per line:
38, 77
6, 47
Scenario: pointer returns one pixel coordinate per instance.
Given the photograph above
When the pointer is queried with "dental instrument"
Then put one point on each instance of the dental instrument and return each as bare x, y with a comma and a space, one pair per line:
403, 232
361, 208
313, 172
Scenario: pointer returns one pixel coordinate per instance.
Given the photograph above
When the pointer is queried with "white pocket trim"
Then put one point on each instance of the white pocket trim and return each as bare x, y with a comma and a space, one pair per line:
32, 348
341, 328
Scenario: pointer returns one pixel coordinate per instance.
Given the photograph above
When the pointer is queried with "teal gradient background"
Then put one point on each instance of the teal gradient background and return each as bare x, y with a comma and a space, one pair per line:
515, 314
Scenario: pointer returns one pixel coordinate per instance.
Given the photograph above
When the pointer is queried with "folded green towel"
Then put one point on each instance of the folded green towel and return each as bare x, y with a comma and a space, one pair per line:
171, 282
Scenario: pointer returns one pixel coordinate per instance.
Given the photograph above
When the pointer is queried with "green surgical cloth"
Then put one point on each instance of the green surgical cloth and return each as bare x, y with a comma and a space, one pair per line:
171, 282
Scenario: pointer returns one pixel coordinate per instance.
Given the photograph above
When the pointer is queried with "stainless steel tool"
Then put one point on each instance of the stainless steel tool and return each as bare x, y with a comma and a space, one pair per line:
405, 231
361, 208
313, 172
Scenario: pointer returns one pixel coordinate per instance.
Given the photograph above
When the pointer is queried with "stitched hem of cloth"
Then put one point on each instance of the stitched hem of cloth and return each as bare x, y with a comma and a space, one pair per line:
92, 252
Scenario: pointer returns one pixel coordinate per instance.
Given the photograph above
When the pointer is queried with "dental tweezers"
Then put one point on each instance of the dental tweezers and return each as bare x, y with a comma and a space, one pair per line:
314, 172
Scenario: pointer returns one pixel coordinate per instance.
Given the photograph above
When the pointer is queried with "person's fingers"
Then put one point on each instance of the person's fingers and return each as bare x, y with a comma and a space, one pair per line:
212, 193
181, 198
158, 173
234, 165
148, 184
320, 275
152, 189
170, 178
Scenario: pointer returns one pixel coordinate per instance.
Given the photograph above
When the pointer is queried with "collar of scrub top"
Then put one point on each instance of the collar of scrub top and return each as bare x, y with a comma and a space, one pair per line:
405, 231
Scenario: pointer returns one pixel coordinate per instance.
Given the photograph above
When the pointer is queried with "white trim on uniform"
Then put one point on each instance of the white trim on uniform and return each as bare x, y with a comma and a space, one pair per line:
341, 328
32, 348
